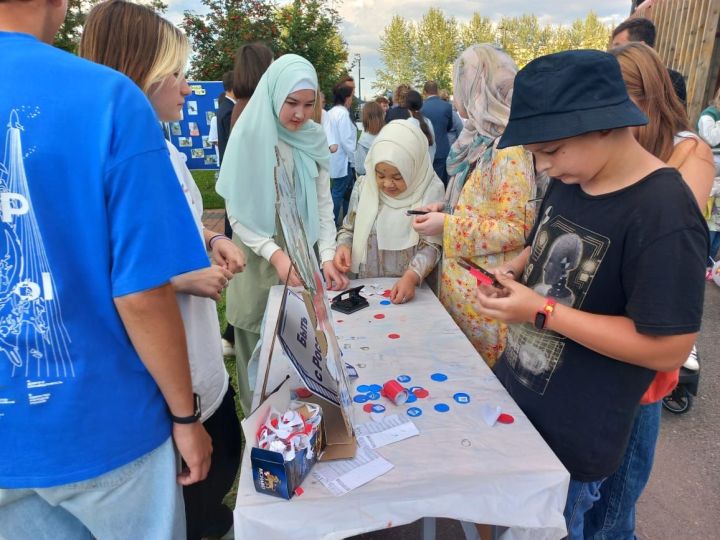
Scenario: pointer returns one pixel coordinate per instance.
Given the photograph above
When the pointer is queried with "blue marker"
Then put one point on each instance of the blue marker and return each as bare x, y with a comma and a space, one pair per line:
462, 398
442, 407
404, 378
414, 411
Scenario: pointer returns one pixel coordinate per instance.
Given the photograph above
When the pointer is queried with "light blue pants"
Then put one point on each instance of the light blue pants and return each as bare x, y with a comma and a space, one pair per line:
139, 500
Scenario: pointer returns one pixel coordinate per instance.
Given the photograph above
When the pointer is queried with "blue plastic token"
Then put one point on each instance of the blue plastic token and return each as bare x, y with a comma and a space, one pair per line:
414, 411
360, 398
412, 398
385, 302
442, 407
374, 388
462, 397
378, 408
404, 378
372, 396
364, 388
439, 377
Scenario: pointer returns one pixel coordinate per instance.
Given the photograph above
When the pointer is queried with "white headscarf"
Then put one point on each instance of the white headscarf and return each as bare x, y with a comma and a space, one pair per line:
402, 145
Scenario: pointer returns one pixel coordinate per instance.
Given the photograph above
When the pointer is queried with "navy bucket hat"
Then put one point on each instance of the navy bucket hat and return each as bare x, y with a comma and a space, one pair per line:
567, 94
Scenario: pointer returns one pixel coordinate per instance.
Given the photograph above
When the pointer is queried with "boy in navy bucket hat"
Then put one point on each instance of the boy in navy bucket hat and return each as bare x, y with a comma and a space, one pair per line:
609, 288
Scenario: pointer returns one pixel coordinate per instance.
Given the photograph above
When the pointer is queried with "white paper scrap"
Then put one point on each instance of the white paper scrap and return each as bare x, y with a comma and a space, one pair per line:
490, 414
387, 431
343, 475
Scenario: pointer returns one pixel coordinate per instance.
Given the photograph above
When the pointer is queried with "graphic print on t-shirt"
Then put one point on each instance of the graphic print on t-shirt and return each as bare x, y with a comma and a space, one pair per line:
33, 337
564, 260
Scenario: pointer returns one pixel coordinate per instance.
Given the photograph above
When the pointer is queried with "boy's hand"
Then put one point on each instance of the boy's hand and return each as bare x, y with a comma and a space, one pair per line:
343, 258
206, 282
431, 224
195, 447
404, 290
283, 267
334, 278
514, 303
226, 254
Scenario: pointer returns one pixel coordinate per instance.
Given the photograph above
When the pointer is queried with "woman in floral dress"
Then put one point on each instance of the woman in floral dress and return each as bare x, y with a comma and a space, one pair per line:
489, 207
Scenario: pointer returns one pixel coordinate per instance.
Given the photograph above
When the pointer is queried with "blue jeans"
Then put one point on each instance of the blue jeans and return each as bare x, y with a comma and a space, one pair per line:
580, 499
613, 516
714, 246
340, 190
139, 500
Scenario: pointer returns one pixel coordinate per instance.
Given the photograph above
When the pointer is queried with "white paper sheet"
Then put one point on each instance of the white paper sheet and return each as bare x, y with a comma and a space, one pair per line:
389, 430
343, 475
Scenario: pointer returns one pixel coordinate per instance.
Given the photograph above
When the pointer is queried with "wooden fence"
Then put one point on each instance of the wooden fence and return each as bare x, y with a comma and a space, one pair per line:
687, 41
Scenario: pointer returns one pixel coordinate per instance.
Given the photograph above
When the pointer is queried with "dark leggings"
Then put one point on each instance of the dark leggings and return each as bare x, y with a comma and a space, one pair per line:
205, 513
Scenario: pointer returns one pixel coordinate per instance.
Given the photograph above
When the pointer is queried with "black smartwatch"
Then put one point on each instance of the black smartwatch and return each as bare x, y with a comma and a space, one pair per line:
189, 419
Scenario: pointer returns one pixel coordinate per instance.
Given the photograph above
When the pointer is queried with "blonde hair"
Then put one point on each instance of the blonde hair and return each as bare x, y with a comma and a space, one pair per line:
134, 40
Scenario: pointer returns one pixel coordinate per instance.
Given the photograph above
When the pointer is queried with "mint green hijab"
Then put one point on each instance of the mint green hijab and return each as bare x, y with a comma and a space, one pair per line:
246, 180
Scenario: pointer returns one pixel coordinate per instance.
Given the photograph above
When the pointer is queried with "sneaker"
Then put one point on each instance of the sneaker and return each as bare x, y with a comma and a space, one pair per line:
228, 349
692, 362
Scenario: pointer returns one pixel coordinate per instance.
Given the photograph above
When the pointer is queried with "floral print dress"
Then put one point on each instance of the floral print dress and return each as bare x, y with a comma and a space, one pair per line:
490, 220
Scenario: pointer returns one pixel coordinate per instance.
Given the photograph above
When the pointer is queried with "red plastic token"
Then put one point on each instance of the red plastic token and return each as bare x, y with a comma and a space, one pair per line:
303, 393
299, 491
421, 393
394, 336
379, 316
387, 293
505, 418
340, 320
368, 407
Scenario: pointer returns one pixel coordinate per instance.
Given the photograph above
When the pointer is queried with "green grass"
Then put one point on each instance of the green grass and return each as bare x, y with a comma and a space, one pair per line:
205, 180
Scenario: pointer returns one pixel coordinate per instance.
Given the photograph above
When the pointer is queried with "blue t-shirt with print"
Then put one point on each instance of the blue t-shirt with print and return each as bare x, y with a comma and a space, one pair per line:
90, 209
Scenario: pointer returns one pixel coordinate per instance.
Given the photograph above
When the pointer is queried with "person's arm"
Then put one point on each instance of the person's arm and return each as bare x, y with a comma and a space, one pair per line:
697, 168
153, 323
334, 278
425, 259
224, 251
501, 223
347, 136
709, 129
520, 304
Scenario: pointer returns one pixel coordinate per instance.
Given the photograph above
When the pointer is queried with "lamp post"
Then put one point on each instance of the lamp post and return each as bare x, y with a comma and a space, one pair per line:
358, 59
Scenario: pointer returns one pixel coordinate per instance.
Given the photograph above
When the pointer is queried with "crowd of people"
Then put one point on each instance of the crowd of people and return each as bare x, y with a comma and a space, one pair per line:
568, 179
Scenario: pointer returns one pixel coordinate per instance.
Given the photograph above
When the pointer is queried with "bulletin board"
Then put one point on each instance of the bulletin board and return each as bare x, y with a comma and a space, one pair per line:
190, 134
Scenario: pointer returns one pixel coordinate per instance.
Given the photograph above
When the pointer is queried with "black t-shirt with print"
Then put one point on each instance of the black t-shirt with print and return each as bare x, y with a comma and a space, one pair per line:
638, 252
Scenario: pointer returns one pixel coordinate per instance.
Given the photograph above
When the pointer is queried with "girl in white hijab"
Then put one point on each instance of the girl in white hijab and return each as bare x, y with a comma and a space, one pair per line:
377, 238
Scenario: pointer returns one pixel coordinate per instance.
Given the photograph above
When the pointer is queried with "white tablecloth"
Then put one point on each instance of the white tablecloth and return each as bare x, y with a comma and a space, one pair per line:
459, 467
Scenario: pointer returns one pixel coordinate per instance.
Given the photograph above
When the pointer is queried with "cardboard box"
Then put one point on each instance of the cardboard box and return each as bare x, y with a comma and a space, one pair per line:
271, 474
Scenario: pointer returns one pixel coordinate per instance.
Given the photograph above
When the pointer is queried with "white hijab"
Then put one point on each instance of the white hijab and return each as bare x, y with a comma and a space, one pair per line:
402, 145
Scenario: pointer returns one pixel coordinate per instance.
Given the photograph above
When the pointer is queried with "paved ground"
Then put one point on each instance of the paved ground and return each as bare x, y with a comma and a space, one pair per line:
682, 499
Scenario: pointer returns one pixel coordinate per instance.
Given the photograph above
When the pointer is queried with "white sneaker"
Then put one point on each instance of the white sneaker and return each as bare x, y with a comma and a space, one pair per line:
228, 349
692, 362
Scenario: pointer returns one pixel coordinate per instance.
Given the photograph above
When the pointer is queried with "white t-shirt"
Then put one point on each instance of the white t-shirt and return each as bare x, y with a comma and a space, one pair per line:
202, 329
213, 138
431, 147
343, 133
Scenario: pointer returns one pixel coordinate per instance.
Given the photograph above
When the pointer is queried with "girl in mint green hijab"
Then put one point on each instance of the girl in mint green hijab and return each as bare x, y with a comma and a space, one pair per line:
278, 115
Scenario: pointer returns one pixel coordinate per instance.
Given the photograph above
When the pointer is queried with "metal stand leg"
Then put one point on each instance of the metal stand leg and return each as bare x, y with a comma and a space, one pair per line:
428, 528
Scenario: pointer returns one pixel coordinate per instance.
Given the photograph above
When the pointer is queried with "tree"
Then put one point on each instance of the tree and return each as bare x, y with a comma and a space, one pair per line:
397, 52
437, 48
68, 36
524, 39
309, 28
477, 30
216, 35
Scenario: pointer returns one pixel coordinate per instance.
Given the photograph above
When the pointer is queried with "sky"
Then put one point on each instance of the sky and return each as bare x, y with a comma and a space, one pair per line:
365, 20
